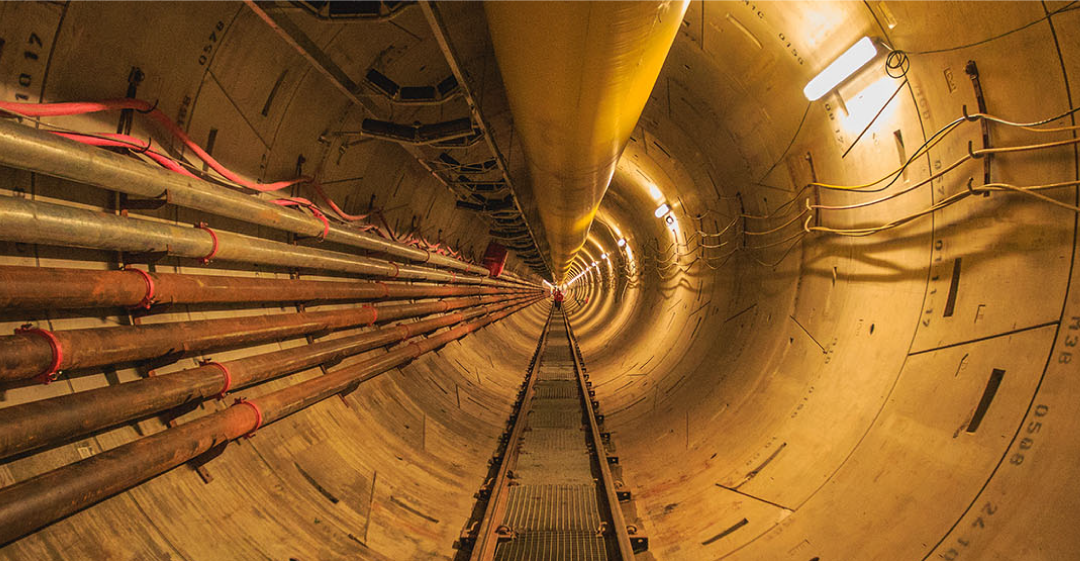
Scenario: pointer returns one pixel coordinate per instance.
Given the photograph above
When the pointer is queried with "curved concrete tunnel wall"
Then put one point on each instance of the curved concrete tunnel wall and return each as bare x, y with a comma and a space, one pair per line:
815, 408
818, 408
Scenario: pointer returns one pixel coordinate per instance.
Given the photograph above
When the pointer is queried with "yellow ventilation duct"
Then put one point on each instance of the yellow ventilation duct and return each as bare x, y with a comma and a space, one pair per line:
577, 75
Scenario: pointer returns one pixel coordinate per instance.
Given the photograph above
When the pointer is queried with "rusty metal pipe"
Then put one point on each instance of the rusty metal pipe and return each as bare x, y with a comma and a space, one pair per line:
45, 223
26, 355
38, 151
32, 504
43, 288
48, 422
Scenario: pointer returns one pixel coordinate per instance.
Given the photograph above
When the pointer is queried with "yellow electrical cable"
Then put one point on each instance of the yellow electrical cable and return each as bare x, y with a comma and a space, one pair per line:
778, 228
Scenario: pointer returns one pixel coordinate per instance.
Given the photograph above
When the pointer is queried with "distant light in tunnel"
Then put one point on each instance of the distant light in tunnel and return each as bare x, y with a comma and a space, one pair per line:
621, 242
662, 210
670, 219
655, 193
862, 52
604, 256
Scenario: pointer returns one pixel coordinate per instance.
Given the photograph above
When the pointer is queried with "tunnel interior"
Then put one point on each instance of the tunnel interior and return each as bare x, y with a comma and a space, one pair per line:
829, 329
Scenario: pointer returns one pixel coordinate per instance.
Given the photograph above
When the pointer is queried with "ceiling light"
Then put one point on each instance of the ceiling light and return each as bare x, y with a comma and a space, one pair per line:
662, 210
841, 69
604, 256
621, 242
654, 191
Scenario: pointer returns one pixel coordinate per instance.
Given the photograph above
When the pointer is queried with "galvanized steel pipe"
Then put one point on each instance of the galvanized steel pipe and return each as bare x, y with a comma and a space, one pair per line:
37, 222
38, 151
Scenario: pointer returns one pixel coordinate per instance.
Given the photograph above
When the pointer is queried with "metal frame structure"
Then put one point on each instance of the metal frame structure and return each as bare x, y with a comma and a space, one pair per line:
487, 537
295, 37
490, 532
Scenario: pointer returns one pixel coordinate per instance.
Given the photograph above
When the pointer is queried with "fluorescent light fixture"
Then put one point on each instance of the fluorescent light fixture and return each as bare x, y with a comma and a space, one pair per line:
621, 242
862, 52
655, 193
594, 263
662, 210
604, 256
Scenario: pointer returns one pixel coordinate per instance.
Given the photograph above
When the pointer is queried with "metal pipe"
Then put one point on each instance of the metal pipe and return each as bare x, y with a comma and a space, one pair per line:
47, 422
37, 222
25, 355
44, 288
38, 151
29, 505
577, 76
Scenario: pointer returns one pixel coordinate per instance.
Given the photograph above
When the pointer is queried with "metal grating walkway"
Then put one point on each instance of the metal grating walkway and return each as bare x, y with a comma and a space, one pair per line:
554, 508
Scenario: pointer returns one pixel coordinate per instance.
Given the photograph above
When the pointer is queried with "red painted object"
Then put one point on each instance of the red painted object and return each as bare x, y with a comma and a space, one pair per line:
495, 258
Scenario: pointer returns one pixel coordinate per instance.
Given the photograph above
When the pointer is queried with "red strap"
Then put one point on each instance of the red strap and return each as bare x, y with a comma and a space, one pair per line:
415, 345
326, 223
50, 372
302, 202
374, 314
213, 237
397, 270
386, 289
408, 332
453, 276
225, 371
258, 414
148, 299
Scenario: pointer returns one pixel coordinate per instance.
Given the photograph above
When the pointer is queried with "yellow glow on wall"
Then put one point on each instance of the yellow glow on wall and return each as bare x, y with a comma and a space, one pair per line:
862, 108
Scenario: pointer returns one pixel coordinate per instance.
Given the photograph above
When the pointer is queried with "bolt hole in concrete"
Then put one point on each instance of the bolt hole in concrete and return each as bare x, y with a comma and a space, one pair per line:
871, 329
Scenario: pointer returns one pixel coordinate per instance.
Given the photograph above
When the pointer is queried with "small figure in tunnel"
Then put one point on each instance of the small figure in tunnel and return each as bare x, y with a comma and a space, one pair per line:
558, 299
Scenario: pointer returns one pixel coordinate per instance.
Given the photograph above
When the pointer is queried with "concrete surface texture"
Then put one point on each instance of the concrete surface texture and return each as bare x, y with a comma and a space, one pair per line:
791, 369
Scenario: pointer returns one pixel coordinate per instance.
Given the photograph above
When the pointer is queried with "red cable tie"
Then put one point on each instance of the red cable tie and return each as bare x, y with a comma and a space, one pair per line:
224, 370
397, 270
50, 372
326, 222
326, 226
453, 276
258, 414
428, 257
386, 289
148, 299
374, 314
213, 236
